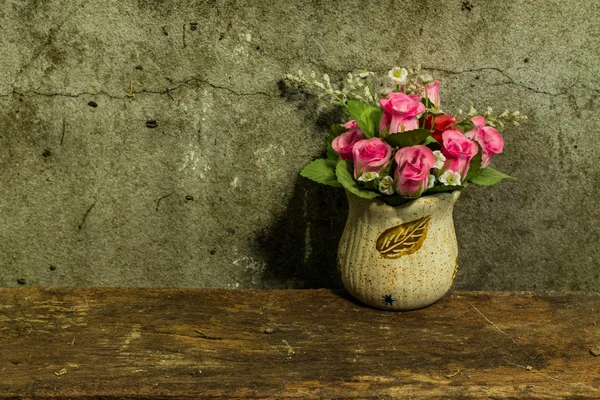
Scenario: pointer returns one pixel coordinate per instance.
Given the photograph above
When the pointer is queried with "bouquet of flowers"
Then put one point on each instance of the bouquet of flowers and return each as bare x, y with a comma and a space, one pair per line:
402, 146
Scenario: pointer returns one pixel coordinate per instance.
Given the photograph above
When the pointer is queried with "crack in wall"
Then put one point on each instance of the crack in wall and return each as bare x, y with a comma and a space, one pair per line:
187, 82
166, 91
83, 220
510, 80
162, 198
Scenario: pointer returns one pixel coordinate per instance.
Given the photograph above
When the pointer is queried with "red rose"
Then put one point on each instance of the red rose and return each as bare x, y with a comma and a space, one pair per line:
441, 123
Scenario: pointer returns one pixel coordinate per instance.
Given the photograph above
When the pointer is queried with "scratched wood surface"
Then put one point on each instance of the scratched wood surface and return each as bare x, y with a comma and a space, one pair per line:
184, 344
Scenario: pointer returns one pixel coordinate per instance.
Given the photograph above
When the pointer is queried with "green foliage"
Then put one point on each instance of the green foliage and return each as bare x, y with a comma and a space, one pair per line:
322, 171
408, 138
489, 176
465, 125
345, 175
429, 140
367, 117
335, 131
475, 165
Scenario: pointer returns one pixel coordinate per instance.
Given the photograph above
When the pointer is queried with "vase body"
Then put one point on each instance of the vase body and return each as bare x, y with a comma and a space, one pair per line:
399, 258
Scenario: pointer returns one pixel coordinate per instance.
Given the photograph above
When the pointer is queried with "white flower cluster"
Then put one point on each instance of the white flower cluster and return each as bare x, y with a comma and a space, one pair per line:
369, 176
440, 159
386, 185
356, 87
448, 177
496, 121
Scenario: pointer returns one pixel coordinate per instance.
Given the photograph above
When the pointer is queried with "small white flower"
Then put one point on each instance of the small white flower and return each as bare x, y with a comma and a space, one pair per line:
398, 75
431, 181
450, 178
363, 73
368, 94
386, 185
440, 159
368, 176
426, 78
472, 111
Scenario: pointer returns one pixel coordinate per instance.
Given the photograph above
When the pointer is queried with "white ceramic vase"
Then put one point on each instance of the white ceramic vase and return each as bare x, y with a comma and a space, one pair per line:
399, 258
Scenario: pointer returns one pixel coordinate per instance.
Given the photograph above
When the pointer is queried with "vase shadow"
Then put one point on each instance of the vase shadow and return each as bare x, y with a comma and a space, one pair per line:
300, 247
344, 294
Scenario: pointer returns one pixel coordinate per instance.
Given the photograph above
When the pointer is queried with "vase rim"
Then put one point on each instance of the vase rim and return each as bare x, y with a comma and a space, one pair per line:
455, 194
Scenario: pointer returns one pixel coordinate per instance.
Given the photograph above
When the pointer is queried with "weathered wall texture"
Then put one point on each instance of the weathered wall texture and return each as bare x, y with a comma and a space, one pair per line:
210, 197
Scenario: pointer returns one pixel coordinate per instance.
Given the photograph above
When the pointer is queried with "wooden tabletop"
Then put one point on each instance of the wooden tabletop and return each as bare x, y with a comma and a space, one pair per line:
197, 343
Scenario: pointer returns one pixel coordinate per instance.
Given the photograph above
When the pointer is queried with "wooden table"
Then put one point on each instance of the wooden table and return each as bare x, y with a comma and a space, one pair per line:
196, 343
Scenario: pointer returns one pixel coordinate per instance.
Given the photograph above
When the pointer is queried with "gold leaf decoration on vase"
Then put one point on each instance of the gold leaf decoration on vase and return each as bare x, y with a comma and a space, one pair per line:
403, 239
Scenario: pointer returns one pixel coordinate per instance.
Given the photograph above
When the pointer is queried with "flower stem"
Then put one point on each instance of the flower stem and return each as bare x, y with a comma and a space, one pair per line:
426, 107
371, 91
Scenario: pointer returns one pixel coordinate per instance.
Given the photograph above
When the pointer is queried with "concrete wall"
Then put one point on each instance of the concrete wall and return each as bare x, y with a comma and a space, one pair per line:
210, 197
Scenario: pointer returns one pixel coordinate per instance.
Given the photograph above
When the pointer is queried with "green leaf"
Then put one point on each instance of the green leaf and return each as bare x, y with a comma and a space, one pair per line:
432, 143
408, 138
475, 165
345, 175
434, 111
465, 125
335, 131
322, 171
429, 140
442, 189
489, 176
367, 117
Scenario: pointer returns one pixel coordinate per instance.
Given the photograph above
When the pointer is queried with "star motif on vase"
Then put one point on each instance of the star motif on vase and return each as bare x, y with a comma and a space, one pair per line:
388, 300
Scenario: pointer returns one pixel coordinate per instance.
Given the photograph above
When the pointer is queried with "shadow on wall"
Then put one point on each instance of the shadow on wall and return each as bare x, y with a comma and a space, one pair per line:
300, 248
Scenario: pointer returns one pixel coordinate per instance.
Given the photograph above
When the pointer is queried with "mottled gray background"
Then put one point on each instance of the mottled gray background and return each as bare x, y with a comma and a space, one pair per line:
211, 197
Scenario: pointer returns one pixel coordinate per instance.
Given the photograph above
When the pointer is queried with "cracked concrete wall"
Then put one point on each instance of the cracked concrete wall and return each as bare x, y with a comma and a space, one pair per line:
189, 177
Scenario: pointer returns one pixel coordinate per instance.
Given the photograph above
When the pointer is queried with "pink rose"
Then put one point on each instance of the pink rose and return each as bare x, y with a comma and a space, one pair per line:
489, 139
400, 112
433, 93
458, 150
370, 155
479, 122
344, 143
412, 173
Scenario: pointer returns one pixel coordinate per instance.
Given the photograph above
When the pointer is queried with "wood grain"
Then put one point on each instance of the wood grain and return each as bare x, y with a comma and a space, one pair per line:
196, 344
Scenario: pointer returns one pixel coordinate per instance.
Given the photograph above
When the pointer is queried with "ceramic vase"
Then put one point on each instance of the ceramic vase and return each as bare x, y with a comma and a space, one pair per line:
399, 258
